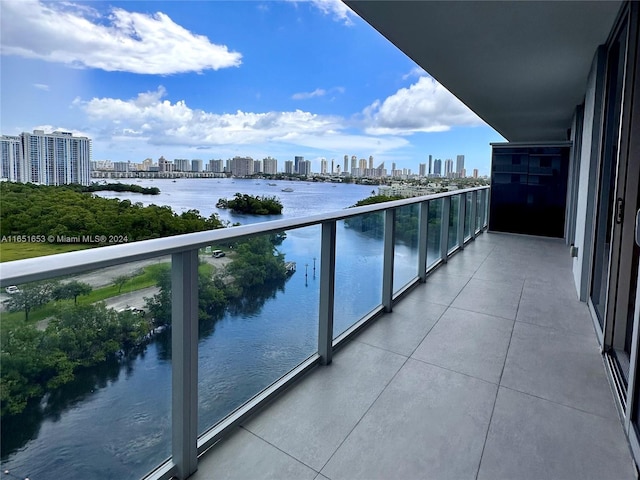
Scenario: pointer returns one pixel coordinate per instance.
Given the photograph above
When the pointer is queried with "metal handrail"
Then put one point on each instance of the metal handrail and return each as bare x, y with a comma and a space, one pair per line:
37, 269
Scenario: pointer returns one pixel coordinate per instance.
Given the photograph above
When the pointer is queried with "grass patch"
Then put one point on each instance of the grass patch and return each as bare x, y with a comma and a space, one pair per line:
19, 251
147, 278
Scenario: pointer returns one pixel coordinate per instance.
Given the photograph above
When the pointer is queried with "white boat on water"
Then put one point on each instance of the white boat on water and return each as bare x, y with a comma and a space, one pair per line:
288, 189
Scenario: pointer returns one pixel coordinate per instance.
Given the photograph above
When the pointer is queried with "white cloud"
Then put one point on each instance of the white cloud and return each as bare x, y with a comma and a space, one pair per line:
154, 120
425, 106
318, 92
121, 41
336, 8
415, 72
41, 86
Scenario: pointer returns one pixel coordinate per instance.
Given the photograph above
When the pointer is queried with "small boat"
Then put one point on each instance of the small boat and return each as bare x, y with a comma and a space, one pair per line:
271, 184
290, 267
288, 189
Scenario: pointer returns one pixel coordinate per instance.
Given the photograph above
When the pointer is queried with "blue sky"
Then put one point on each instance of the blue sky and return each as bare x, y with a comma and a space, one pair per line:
215, 79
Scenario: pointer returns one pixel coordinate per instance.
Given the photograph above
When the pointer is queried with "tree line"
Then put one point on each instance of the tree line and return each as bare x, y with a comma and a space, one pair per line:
29, 209
252, 204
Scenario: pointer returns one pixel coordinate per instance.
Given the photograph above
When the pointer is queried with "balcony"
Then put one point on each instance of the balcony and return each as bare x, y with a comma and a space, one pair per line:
483, 365
489, 370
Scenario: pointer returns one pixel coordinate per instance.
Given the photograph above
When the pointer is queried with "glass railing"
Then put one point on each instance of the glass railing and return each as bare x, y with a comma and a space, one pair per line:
250, 308
405, 258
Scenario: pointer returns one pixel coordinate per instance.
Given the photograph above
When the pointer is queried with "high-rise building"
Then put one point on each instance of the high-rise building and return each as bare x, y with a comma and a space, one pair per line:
448, 168
288, 167
12, 165
242, 166
430, 165
297, 161
371, 162
257, 166
216, 166
181, 165
56, 158
323, 165
422, 170
354, 163
304, 167
332, 166
270, 166
196, 165
437, 167
460, 165
475, 173
346, 164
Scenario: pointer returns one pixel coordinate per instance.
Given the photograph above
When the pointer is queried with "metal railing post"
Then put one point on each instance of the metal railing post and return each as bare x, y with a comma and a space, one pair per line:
462, 215
389, 253
474, 214
444, 228
423, 240
184, 346
327, 292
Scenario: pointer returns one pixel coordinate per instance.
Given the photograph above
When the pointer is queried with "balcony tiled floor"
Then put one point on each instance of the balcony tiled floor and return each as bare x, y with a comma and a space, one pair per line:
490, 370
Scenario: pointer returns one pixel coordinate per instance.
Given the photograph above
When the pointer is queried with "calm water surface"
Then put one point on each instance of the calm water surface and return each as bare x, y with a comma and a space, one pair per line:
114, 421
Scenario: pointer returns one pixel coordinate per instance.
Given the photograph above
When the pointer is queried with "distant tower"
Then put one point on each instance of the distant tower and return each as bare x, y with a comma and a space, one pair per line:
371, 162
448, 167
460, 165
332, 166
296, 163
475, 173
430, 164
437, 167
346, 163
354, 163
323, 166
422, 170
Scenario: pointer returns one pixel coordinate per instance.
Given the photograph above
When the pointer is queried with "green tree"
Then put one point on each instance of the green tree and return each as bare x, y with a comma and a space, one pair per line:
30, 296
120, 280
70, 290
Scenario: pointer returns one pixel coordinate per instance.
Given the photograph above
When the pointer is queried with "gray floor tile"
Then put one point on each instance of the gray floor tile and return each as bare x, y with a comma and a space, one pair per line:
547, 309
534, 439
310, 421
560, 367
443, 288
402, 330
243, 456
492, 297
428, 423
468, 342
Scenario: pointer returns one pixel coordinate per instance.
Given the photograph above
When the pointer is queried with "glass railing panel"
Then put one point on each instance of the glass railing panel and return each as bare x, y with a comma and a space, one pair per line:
434, 231
405, 267
359, 261
86, 375
454, 212
258, 308
467, 216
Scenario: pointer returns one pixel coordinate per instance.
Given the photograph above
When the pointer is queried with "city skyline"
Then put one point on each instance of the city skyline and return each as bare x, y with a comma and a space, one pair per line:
103, 73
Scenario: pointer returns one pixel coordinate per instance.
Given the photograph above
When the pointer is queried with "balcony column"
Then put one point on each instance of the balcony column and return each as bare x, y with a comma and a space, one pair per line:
462, 215
184, 361
444, 228
474, 214
389, 252
327, 292
423, 239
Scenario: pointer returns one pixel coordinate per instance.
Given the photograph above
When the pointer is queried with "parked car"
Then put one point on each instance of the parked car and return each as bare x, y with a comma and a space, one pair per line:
217, 254
11, 289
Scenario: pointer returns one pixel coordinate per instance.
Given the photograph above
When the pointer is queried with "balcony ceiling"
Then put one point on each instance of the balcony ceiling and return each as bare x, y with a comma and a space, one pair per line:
521, 66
